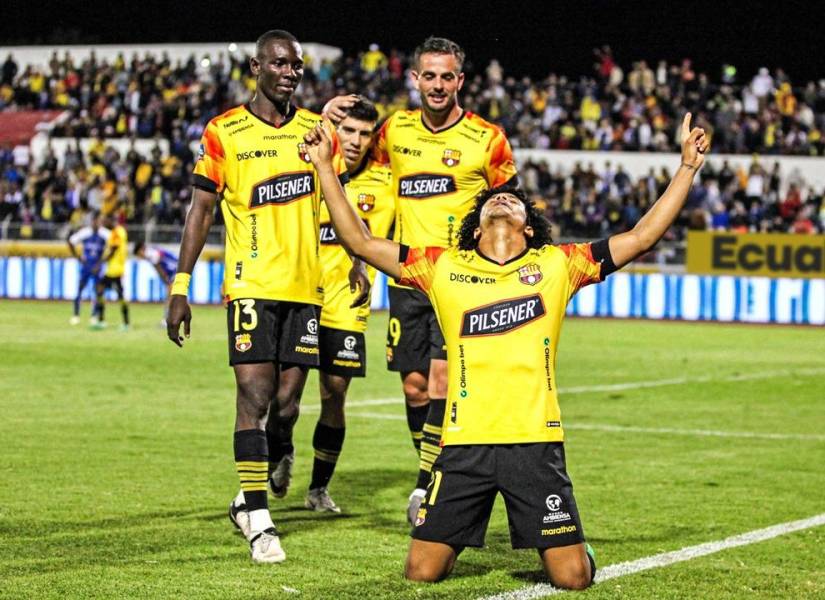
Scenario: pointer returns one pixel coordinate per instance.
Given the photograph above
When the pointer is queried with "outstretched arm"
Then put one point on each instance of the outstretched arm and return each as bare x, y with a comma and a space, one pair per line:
351, 230
625, 247
198, 222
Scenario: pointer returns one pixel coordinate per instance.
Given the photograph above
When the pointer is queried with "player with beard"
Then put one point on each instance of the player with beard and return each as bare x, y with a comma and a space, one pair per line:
253, 160
441, 157
503, 432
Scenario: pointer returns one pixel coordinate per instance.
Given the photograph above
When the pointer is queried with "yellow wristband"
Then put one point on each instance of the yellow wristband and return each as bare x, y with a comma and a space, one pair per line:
180, 285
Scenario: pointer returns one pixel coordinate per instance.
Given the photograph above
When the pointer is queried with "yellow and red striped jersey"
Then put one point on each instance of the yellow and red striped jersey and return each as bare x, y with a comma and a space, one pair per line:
501, 323
270, 199
370, 191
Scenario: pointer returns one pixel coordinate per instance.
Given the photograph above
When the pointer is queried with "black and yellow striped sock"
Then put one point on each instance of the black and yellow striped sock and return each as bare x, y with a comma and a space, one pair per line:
416, 416
327, 442
431, 440
251, 462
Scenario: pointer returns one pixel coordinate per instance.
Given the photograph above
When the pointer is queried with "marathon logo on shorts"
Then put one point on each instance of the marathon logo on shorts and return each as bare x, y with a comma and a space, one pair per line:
283, 189
426, 185
503, 316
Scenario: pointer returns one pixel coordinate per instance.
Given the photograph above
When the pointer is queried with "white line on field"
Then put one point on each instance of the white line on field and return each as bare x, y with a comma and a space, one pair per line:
626, 428
631, 385
668, 558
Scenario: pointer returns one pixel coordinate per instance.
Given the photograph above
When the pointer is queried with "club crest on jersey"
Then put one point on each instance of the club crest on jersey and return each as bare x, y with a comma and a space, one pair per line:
243, 342
530, 274
303, 153
451, 158
366, 202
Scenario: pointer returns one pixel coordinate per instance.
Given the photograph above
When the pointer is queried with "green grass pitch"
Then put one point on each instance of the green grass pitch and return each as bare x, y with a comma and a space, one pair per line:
116, 466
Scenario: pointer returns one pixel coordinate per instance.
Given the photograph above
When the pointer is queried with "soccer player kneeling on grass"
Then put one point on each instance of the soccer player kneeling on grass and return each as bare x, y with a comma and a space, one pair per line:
504, 287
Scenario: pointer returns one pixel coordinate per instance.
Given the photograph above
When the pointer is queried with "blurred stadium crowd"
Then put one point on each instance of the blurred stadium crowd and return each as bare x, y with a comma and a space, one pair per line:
635, 108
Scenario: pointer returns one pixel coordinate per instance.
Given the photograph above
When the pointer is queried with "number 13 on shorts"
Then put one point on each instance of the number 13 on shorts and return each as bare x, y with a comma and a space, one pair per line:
247, 307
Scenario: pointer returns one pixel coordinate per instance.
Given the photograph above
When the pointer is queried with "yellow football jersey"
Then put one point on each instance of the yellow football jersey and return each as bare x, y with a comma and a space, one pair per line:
501, 323
370, 191
270, 198
438, 174
117, 263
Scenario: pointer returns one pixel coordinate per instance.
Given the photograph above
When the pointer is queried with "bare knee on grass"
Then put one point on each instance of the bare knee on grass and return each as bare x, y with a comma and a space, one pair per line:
567, 567
429, 561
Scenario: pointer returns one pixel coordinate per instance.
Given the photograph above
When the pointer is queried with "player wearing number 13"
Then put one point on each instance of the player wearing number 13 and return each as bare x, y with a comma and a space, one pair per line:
253, 160
503, 430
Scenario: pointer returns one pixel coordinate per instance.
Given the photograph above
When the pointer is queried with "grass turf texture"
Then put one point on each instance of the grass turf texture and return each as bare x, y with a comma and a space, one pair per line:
117, 466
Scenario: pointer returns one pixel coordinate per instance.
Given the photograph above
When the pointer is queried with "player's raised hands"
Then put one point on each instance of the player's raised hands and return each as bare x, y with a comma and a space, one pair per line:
319, 145
694, 144
336, 110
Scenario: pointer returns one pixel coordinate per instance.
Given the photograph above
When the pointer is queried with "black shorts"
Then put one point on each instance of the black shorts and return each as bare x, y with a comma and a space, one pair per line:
343, 353
413, 335
112, 283
272, 331
538, 495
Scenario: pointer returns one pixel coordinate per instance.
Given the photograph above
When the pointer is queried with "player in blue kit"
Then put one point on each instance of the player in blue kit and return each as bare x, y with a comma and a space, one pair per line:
165, 263
92, 242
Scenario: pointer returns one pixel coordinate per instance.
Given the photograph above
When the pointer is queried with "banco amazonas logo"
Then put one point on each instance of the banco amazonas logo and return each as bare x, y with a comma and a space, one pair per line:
282, 189
426, 185
502, 316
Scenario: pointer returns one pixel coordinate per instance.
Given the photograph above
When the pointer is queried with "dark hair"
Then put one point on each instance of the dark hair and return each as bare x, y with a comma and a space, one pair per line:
540, 225
138, 247
439, 45
272, 34
363, 110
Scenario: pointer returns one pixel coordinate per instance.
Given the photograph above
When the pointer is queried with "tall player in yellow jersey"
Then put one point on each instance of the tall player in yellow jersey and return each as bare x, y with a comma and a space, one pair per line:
345, 311
115, 259
441, 158
500, 297
253, 159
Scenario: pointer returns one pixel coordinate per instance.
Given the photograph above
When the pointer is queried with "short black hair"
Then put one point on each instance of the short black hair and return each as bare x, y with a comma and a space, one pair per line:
273, 34
439, 45
138, 247
363, 110
541, 226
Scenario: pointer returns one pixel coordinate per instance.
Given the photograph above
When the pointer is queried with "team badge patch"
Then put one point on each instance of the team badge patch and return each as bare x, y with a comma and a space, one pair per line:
451, 158
303, 153
421, 517
201, 152
530, 274
366, 202
243, 342
389, 354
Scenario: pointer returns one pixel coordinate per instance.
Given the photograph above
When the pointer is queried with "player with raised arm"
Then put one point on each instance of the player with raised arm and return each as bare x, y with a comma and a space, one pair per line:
92, 240
344, 314
441, 157
253, 159
503, 430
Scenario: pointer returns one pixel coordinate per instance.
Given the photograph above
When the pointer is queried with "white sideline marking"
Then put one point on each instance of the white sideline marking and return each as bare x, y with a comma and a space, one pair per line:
541, 590
628, 428
629, 385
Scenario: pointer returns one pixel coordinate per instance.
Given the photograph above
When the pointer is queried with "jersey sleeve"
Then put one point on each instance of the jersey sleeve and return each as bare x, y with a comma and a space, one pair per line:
379, 147
209, 168
418, 266
500, 167
582, 268
78, 236
338, 162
